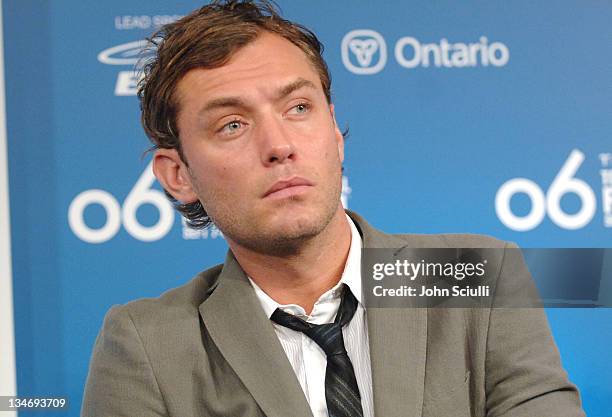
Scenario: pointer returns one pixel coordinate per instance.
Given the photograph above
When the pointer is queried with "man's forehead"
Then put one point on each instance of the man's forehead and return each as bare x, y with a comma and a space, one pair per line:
200, 102
269, 61
268, 46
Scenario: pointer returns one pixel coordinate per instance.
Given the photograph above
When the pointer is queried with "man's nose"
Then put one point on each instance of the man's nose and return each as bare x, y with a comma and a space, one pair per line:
276, 144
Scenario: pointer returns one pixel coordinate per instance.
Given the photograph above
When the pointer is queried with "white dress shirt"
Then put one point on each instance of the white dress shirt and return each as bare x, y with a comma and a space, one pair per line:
307, 358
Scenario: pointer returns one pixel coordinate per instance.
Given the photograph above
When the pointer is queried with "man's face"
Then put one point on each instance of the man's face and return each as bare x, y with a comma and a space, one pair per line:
262, 145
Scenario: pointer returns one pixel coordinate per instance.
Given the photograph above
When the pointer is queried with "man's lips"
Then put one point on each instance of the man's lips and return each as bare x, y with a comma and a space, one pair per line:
288, 187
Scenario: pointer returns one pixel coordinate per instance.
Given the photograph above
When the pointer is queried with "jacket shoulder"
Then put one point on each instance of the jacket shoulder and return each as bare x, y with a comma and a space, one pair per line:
375, 238
451, 240
175, 303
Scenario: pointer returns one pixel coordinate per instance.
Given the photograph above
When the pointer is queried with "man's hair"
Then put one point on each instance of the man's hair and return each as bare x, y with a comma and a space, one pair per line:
207, 38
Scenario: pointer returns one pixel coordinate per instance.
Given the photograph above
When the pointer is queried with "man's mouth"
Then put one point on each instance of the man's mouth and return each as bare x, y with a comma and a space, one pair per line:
287, 188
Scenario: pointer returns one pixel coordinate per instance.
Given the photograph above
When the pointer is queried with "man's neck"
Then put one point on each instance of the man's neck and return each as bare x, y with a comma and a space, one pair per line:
303, 278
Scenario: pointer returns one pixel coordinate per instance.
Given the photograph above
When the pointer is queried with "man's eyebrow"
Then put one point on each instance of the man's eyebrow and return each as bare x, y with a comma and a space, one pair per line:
293, 86
222, 102
238, 102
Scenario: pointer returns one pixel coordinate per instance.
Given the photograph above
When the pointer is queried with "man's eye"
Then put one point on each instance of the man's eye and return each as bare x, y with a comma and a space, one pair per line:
301, 108
232, 126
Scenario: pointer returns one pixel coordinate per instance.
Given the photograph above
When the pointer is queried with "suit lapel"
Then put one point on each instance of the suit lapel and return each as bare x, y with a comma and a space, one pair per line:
246, 338
398, 344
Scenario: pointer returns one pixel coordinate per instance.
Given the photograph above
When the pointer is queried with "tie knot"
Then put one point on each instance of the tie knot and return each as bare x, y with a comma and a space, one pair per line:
328, 336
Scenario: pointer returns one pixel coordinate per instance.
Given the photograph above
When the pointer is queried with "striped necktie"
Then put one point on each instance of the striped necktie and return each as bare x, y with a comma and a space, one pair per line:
341, 390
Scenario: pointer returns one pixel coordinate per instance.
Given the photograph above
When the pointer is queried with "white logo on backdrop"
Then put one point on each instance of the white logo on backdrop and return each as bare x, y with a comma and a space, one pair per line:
127, 54
141, 194
124, 54
140, 22
606, 187
410, 53
125, 214
363, 45
550, 202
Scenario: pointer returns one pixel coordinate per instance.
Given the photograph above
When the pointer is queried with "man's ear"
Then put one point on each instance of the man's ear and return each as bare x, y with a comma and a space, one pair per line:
337, 134
172, 173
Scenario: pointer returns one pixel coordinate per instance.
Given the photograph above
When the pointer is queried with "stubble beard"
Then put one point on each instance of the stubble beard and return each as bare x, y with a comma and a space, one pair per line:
279, 241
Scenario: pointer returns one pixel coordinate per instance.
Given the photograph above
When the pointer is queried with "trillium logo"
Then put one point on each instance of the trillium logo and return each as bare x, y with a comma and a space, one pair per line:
364, 45
364, 51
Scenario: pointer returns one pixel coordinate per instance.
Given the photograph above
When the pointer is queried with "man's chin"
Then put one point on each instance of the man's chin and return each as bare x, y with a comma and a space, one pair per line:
283, 230
286, 236
297, 228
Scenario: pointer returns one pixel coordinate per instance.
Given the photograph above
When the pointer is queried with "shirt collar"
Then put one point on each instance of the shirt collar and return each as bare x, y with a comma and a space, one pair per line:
351, 276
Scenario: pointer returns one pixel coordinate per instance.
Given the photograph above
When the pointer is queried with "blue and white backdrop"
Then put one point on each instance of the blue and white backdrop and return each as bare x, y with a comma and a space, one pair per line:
484, 117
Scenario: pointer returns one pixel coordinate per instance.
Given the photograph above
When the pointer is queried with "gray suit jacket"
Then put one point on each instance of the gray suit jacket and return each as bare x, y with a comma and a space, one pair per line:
207, 349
